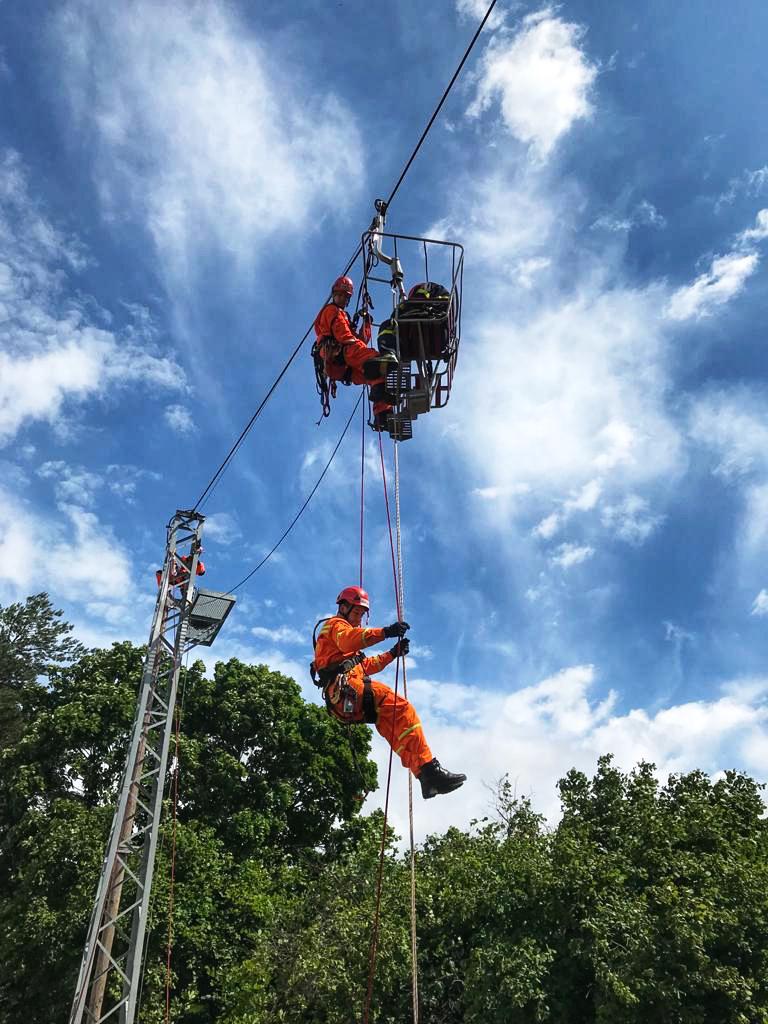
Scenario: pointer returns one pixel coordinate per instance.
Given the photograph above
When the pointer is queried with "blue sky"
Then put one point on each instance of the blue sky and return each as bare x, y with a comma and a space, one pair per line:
586, 522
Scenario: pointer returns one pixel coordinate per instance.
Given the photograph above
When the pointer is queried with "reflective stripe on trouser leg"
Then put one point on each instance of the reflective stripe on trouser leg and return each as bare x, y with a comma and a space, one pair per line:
406, 733
399, 724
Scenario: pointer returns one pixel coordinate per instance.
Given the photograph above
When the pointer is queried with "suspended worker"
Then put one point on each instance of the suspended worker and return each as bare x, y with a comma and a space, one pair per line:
341, 354
351, 695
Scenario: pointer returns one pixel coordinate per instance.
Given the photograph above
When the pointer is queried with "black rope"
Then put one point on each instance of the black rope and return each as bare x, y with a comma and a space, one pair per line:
311, 494
443, 98
236, 446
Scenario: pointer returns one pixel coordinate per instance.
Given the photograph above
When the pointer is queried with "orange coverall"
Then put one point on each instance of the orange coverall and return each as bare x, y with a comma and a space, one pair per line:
179, 572
333, 321
396, 718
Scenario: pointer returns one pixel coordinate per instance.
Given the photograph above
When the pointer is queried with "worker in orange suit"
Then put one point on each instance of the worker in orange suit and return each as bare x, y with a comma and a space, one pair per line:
346, 357
180, 570
351, 695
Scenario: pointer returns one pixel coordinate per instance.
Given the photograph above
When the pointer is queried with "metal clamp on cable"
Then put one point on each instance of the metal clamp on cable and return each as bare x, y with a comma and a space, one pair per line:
376, 233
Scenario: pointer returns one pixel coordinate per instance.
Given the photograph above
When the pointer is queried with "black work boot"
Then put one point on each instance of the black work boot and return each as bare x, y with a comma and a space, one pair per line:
435, 780
379, 393
379, 421
379, 366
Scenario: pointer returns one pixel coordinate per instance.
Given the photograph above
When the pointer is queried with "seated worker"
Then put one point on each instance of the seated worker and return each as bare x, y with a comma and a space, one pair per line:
426, 324
352, 696
344, 356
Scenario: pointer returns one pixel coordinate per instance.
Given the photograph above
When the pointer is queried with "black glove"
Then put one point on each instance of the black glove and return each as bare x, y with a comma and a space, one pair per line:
396, 629
401, 648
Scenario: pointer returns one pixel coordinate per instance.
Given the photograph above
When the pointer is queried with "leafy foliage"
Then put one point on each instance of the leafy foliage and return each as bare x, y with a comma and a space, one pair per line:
647, 900
33, 640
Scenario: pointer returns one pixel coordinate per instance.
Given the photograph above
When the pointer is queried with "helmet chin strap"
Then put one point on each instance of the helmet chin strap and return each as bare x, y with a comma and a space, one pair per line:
345, 615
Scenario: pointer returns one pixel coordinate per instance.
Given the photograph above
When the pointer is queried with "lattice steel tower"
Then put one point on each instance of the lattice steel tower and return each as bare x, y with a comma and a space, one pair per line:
185, 616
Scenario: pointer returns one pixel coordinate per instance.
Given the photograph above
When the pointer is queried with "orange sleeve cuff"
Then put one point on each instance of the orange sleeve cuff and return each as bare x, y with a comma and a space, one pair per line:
377, 662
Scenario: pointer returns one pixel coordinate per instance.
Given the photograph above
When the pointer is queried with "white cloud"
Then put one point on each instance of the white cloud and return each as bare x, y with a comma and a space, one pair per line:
644, 214
73, 484
588, 393
282, 635
631, 519
759, 232
51, 355
583, 500
676, 634
750, 183
568, 386
475, 10
250, 654
548, 526
528, 270
179, 418
506, 218
732, 423
199, 127
760, 604
222, 528
422, 651
29, 242
753, 536
542, 79
494, 493
123, 480
647, 213
536, 734
724, 280
568, 555
73, 558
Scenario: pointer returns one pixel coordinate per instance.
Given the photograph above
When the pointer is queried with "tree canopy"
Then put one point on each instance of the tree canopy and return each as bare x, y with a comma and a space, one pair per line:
647, 900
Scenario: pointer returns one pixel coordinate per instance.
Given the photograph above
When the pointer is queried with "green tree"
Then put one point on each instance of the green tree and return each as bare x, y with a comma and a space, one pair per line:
264, 777
659, 907
312, 964
33, 640
646, 901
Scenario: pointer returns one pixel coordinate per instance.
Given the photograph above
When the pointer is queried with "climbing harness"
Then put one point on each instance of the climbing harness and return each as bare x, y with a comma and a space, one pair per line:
328, 354
341, 698
327, 351
338, 693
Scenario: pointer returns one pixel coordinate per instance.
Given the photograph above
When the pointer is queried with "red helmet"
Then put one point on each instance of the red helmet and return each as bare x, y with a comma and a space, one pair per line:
343, 284
354, 595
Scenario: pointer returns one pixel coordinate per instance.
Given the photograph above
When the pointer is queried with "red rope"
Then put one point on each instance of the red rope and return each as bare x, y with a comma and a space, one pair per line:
373, 949
169, 949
